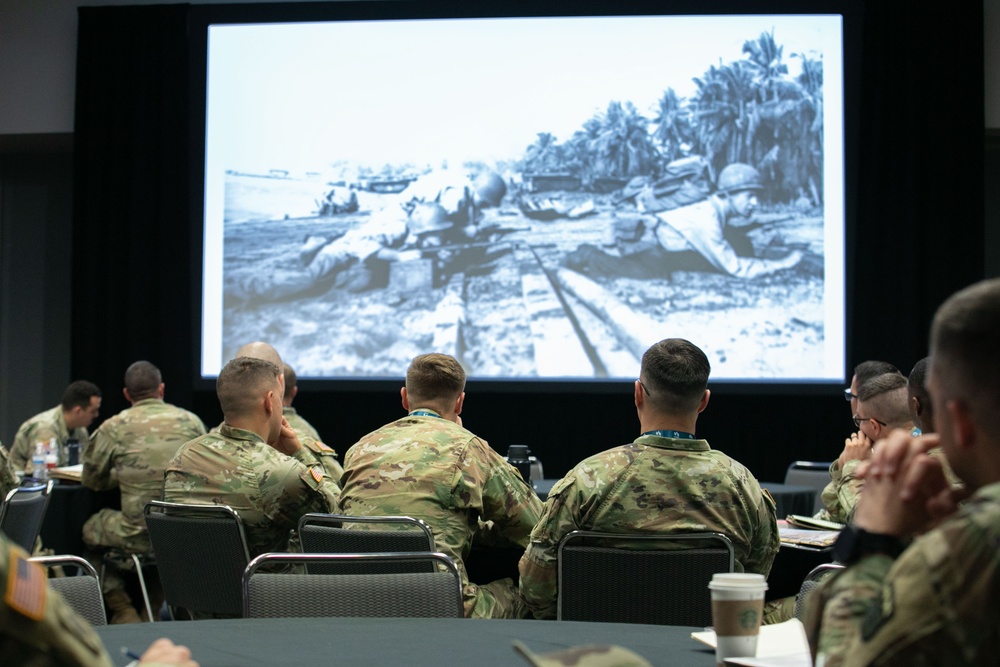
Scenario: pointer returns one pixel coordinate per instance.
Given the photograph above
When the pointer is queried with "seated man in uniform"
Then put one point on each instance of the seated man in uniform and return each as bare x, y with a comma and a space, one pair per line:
427, 466
255, 463
81, 401
923, 572
667, 481
129, 451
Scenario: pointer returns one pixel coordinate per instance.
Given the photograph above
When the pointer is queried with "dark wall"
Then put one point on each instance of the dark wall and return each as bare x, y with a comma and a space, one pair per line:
916, 235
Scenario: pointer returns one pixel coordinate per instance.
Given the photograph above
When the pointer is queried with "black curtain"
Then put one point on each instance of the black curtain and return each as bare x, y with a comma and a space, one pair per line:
915, 144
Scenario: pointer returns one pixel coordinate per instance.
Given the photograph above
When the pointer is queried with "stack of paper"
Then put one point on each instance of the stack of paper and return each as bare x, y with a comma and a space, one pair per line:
780, 645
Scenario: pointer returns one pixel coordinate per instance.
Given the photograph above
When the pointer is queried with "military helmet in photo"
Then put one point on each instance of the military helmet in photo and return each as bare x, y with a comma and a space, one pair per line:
428, 217
736, 177
490, 188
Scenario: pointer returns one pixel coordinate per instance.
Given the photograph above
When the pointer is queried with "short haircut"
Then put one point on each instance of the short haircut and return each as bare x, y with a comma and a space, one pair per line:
965, 352
434, 378
290, 380
885, 399
867, 370
78, 394
261, 350
675, 373
242, 382
142, 380
916, 387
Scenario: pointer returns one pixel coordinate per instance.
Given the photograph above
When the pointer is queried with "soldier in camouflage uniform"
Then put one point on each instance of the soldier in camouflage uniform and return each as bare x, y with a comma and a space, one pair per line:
81, 401
255, 463
130, 451
427, 466
666, 481
8, 476
883, 400
38, 627
932, 601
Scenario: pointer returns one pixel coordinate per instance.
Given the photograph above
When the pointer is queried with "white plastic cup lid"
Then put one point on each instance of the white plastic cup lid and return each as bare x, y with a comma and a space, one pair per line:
738, 580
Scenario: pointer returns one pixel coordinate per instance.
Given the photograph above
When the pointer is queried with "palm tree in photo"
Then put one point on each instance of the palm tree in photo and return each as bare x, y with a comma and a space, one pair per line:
623, 146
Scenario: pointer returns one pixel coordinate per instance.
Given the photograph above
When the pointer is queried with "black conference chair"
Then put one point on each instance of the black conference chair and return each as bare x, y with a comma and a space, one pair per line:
815, 474
201, 552
325, 534
617, 578
82, 592
437, 593
816, 576
22, 513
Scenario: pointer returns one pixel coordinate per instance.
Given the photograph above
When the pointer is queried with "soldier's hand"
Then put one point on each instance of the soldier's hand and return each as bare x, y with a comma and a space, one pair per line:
287, 442
856, 448
165, 652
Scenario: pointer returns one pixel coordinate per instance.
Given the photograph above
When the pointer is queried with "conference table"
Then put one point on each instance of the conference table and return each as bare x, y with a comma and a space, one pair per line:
416, 642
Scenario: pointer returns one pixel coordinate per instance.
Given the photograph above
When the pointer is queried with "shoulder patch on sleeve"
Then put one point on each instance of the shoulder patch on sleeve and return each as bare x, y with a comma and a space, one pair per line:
317, 474
27, 587
317, 446
878, 613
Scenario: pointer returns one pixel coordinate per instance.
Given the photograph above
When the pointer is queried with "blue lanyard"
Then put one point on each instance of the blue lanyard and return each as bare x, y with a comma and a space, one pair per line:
664, 433
424, 413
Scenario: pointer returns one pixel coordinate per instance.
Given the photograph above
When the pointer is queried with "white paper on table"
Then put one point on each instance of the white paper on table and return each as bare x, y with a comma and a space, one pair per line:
779, 645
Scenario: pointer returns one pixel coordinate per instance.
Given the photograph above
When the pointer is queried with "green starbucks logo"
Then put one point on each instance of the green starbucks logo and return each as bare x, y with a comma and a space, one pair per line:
748, 619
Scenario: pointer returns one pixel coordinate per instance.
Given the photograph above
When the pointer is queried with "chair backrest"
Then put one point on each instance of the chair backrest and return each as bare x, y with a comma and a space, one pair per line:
201, 552
810, 473
82, 592
815, 577
411, 594
22, 513
629, 578
324, 533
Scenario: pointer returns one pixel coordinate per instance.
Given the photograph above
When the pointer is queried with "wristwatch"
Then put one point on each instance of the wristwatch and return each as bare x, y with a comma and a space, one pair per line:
855, 542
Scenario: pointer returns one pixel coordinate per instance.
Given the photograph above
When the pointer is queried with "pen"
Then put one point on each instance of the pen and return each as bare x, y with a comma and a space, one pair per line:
129, 653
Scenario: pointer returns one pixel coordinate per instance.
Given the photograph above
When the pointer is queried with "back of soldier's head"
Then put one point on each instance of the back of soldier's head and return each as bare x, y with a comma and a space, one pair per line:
867, 370
243, 382
290, 379
916, 387
261, 350
78, 394
965, 353
675, 373
885, 398
434, 378
142, 380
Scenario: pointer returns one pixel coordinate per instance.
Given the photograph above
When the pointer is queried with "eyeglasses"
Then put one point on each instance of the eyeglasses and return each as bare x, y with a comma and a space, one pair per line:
848, 395
643, 387
858, 420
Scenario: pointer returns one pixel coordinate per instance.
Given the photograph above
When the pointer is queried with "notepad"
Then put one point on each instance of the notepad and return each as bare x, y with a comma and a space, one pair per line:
780, 645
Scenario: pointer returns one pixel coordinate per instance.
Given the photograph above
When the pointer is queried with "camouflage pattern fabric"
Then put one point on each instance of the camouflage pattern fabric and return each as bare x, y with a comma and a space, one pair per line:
42, 427
8, 476
654, 485
583, 656
299, 423
37, 627
841, 495
268, 489
130, 451
433, 469
934, 605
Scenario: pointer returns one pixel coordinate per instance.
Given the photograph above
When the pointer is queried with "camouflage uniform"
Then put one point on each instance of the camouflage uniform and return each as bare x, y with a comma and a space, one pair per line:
433, 469
654, 485
8, 476
37, 627
268, 489
299, 423
326, 455
130, 451
43, 427
934, 605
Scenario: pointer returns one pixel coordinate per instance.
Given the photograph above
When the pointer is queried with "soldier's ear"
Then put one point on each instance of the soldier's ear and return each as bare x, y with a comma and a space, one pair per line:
704, 400
406, 401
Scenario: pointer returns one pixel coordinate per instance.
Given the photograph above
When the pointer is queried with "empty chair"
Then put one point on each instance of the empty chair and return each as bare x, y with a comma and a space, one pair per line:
614, 577
324, 533
411, 594
22, 513
201, 553
82, 592
810, 473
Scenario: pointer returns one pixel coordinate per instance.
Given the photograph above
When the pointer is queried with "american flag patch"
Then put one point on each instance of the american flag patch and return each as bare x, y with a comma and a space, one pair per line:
316, 474
26, 586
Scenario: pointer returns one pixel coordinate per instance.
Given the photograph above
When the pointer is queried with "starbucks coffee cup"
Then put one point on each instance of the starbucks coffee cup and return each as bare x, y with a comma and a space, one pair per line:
737, 607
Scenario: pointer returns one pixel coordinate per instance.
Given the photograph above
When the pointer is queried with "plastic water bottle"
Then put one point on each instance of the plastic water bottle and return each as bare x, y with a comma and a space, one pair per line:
38, 470
52, 455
